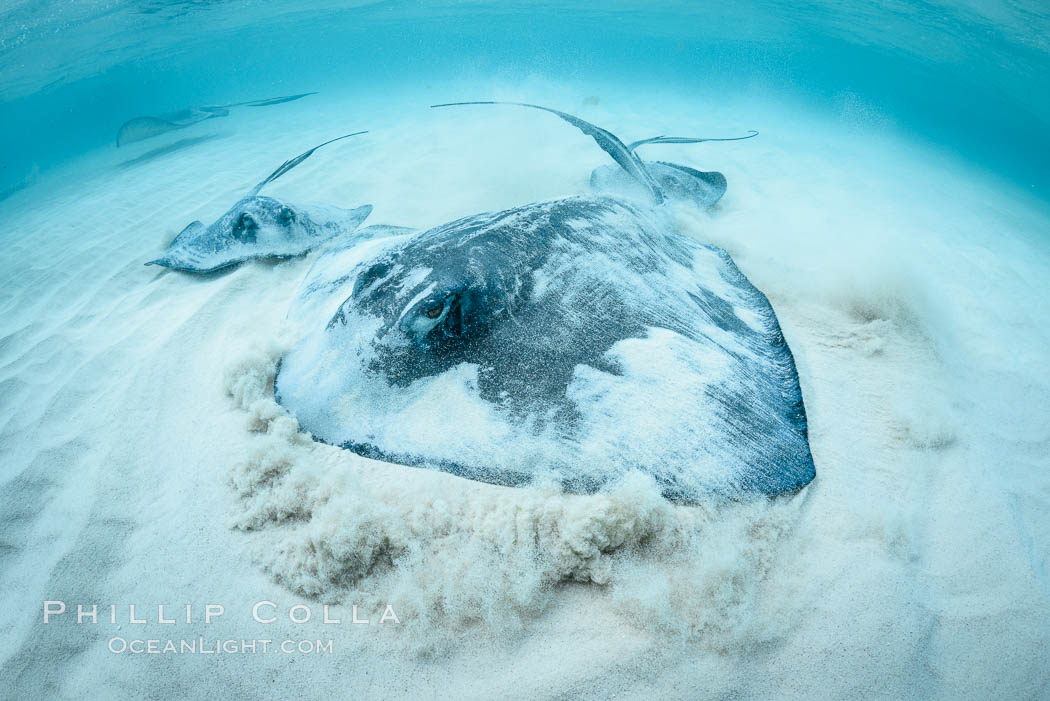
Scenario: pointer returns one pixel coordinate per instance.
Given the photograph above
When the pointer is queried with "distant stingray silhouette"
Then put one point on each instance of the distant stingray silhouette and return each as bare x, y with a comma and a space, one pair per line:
141, 128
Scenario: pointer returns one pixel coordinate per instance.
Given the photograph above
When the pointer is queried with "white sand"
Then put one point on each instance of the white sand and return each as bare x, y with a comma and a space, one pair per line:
912, 290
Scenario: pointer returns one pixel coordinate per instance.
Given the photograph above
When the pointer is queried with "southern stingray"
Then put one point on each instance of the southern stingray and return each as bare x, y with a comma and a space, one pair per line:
141, 128
261, 227
573, 340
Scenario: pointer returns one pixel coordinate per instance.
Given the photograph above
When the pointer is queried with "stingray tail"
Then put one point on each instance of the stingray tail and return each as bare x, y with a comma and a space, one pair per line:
751, 133
291, 163
608, 142
270, 100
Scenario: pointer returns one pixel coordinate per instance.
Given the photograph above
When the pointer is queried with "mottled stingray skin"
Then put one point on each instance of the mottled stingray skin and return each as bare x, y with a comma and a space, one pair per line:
260, 227
572, 340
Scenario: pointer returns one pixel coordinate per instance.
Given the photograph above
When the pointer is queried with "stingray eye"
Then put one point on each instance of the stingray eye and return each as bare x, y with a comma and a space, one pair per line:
285, 216
245, 224
434, 312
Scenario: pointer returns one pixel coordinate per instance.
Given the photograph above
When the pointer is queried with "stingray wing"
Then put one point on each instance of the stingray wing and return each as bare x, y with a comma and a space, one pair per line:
141, 128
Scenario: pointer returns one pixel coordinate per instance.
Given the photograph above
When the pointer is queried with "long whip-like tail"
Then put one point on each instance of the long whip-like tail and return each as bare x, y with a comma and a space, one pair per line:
291, 163
686, 140
269, 100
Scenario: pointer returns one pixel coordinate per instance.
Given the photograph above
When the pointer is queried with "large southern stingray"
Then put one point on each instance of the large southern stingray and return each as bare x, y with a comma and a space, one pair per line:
140, 128
573, 340
261, 227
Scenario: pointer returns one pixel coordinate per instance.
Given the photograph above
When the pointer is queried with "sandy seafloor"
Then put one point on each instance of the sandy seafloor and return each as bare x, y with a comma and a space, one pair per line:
144, 462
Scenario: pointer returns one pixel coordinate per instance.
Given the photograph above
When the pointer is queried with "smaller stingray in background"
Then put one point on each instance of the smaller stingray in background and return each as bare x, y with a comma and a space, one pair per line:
638, 178
702, 188
141, 128
147, 127
261, 227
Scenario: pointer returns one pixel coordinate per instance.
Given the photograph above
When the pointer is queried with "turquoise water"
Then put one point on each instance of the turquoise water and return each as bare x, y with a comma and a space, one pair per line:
893, 210
970, 77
